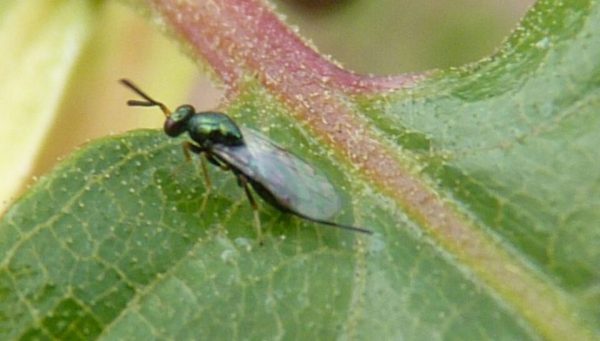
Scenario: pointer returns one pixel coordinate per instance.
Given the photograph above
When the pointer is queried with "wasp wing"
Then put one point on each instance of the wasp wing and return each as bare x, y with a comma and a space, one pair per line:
292, 182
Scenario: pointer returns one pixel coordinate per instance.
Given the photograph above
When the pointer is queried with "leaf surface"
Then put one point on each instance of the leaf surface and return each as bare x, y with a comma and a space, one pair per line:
481, 184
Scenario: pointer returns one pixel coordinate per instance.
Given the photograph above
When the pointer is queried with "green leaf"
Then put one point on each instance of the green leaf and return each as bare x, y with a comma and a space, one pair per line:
483, 192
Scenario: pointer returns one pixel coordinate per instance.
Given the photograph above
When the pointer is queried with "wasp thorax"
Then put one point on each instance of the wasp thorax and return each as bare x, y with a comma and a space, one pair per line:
209, 128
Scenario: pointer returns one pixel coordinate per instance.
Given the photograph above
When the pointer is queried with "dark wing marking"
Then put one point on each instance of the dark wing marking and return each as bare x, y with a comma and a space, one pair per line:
293, 183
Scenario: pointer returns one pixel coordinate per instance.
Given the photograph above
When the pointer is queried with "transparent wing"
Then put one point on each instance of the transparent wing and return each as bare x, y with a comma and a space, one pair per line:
293, 183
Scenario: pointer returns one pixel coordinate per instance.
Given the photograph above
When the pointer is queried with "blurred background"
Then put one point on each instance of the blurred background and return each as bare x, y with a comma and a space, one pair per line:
396, 36
367, 36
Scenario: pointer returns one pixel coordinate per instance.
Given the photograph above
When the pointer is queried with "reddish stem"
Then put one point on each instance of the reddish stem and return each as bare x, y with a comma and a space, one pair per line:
244, 36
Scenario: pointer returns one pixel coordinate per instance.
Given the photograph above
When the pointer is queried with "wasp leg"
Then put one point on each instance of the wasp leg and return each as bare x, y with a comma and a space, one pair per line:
244, 183
205, 172
217, 162
189, 148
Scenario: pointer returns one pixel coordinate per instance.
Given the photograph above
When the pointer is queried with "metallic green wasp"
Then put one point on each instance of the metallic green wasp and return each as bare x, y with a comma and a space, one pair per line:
279, 177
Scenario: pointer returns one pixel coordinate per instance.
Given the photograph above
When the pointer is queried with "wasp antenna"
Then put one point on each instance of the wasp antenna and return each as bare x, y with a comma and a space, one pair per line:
136, 103
150, 101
